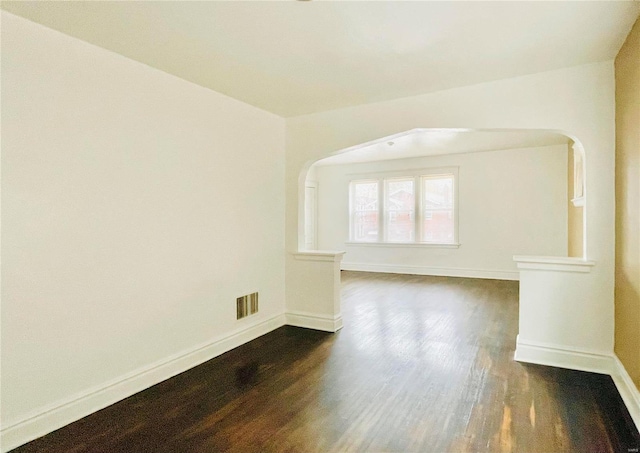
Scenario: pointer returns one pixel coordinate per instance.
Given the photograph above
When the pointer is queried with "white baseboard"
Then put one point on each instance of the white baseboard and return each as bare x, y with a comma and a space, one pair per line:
628, 390
426, 270
564, 357
314, 321
61, 413
64, 412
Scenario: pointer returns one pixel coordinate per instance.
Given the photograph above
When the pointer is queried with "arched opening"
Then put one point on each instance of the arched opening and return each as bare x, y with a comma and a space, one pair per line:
516, 192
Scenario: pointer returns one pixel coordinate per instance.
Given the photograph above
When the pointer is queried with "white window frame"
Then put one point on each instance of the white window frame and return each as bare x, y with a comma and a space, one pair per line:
417, 175
352, 210
420, 217
386, 212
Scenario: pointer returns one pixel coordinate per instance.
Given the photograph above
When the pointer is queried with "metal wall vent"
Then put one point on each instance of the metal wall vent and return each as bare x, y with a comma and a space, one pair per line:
246, 305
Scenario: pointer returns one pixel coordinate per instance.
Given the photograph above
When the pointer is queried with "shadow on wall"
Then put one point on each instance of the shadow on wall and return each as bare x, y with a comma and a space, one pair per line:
627, 341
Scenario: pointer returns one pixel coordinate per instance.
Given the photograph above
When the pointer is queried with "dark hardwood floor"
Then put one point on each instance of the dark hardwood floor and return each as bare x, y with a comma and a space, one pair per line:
423, 364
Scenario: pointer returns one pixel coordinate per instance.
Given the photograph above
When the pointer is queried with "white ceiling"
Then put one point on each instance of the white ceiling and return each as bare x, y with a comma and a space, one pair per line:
429, 142
293, 58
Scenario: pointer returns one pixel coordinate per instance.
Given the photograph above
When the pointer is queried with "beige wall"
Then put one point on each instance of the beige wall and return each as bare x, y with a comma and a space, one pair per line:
579, 101
536, 224
575, 213
129, 207
627, 283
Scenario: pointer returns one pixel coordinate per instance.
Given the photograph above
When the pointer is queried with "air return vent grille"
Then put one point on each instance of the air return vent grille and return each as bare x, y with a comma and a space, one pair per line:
246, 305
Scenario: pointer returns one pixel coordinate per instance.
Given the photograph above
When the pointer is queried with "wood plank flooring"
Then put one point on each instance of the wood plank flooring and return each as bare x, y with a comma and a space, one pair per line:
423, 364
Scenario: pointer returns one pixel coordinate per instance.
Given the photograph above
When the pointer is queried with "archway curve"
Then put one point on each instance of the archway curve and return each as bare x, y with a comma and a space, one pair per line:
576, 147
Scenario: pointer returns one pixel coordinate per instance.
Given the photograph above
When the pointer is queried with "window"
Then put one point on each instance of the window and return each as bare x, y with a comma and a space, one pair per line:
400, 205
364, 211
437, 208
418, 208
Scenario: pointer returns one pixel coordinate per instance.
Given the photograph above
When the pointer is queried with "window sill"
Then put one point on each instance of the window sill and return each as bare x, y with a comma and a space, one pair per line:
403, 244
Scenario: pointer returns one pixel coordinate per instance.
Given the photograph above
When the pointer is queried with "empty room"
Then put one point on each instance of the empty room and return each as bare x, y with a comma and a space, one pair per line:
314, 226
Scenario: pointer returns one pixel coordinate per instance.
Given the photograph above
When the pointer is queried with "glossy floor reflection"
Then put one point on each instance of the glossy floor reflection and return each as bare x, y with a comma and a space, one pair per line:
423, 364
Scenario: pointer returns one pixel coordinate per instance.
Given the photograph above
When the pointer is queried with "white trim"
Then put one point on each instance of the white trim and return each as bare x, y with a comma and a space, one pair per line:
554, 263
61, 413
583, 360
410, 172
314, 321
311, 185
628, 390
427, 270
578, 174
402, 244
564, 357
318, 255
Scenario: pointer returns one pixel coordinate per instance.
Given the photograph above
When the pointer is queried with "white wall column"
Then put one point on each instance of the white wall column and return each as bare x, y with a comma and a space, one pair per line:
313, 290
561, 315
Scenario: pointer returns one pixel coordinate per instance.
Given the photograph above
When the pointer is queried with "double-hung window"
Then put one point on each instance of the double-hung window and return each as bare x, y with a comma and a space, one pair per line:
399, 210
438, 223
418, 207
364, 218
